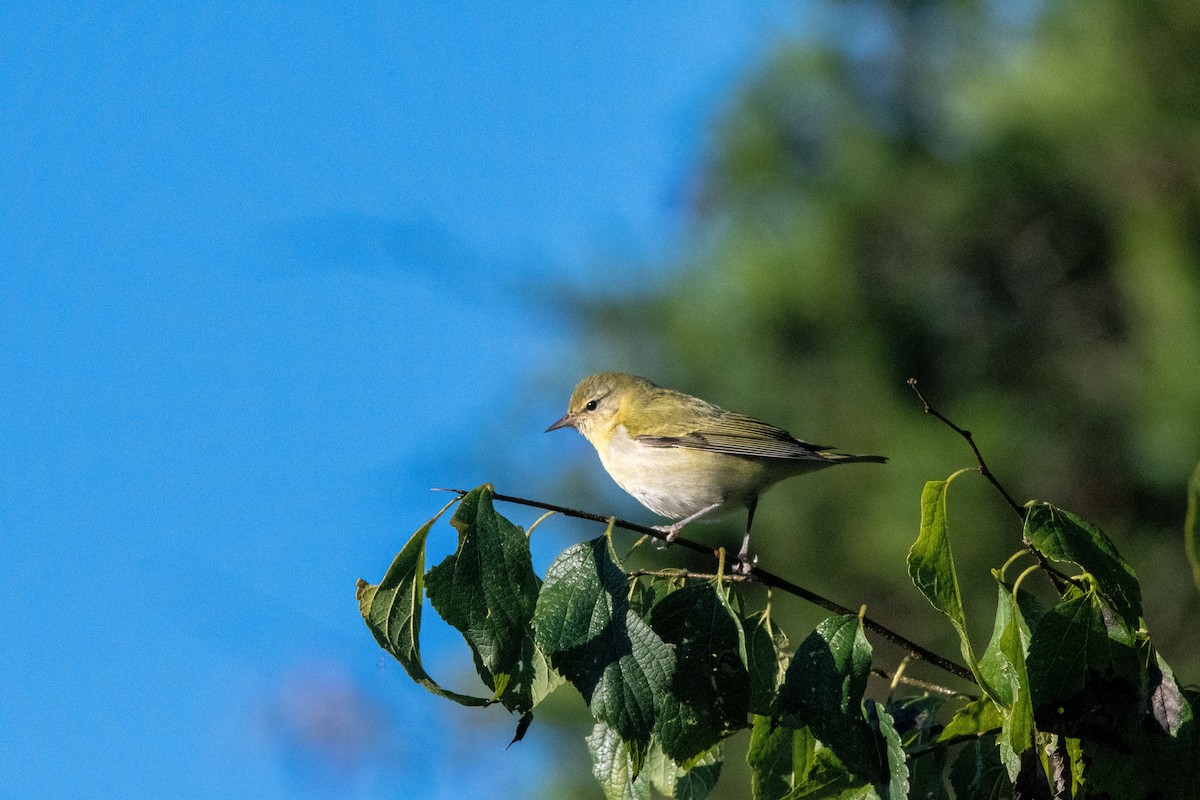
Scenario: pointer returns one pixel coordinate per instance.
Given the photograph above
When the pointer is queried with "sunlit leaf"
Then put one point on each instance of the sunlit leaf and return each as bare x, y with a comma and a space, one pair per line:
931, 563
584, 623
775, 768
613, 766
1017, 734
1061, 536
974, 718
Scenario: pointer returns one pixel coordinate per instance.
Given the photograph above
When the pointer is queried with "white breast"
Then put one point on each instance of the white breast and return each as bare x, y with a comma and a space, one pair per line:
670, 481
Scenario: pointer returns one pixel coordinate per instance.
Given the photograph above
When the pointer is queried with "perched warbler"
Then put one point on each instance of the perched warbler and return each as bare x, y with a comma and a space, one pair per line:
684, 458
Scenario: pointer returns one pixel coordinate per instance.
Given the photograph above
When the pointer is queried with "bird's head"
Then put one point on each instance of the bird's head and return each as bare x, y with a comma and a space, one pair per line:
600, 402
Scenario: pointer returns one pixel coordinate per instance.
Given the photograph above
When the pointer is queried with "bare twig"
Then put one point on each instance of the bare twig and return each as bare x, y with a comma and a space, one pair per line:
680, 573
761, 575
917, 683
1059, 579
966, 434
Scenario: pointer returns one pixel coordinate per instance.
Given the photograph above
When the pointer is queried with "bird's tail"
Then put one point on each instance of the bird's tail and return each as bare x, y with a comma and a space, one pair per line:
846, 458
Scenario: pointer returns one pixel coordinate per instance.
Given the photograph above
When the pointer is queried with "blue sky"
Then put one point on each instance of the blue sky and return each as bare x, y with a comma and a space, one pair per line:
268, 273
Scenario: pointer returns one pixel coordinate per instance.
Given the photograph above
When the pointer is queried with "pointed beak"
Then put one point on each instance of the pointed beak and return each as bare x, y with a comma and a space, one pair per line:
568, 421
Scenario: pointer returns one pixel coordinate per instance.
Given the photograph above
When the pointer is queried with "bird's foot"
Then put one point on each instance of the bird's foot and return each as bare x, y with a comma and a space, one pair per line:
670, 530
744, 563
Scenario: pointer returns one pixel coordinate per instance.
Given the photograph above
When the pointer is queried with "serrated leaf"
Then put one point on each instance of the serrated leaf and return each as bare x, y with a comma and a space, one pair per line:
931, 563
487, 590
892, 752
916, 720
709, 691
583, 622
1191, 525
1085, 672
1061, 536
823, 690
613, 766
392, 611
766, 663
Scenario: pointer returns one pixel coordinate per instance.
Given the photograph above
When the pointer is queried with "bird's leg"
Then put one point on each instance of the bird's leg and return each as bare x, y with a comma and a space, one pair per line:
673, 529
744, 563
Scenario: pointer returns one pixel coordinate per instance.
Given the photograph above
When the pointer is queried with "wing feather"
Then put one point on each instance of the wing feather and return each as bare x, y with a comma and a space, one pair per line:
720, 432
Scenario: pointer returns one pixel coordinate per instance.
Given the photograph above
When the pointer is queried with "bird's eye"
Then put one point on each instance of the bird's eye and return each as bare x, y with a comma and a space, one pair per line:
591, 406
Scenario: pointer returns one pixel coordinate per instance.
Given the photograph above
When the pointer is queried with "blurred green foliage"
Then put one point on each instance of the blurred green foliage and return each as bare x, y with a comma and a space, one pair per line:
1009, 213
1002, 204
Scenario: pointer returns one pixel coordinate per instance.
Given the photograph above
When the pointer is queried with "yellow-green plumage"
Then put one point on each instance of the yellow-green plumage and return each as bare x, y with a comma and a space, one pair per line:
682, 457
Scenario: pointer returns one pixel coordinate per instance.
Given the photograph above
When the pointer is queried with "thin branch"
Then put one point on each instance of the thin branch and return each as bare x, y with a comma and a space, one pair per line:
763, 576
681, 573
1059, 579
917, 683
966, 434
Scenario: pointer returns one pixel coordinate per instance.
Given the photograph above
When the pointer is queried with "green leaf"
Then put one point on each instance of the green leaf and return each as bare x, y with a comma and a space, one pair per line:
584, 623
976, 717
823, 689
1168, 705
829, 779
765, 660
1017, 733
613, 766
995, 669
1163, 758
709, 691
487, 590
780, 758
978, 774
1085, 672
790, 763
996, 665
1061, 536
701, 776
931, 563
892, 751
1191, 526
392, 611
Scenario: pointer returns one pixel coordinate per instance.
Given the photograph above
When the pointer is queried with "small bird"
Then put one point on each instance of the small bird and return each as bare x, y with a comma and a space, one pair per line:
684, 458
